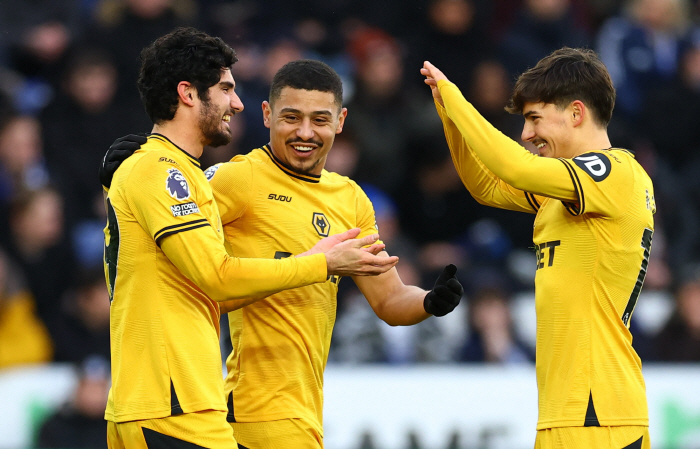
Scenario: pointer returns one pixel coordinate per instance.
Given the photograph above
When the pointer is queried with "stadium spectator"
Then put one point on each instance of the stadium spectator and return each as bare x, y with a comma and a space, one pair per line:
541, 26
126, 26
670, 116
492, 338
39, 247
35, 38
83, 330
23, 336
679, 339
386, 114
452, 27
80, 423
22, 166
78, 123
592, 234
641, 49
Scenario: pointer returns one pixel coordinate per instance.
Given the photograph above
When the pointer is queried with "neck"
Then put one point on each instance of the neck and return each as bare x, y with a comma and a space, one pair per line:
596, 140
182, 135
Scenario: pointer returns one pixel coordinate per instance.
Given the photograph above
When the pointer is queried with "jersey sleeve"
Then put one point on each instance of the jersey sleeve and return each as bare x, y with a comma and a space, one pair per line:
366, 219
203, 259
602, 182
199, 253
484, 186
504, 157
164, 201
231, 183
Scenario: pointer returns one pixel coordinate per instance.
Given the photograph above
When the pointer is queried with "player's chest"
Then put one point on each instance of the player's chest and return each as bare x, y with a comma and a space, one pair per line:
308, 212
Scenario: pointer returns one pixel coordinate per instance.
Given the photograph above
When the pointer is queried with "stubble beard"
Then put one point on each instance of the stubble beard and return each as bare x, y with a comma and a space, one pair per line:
210, 125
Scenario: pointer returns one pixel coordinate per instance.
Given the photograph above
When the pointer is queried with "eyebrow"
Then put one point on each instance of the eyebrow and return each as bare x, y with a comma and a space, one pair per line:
529, 113
228, 84
297, 111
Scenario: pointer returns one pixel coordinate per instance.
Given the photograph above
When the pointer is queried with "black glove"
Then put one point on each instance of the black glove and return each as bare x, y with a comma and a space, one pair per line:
446, 293
121, 149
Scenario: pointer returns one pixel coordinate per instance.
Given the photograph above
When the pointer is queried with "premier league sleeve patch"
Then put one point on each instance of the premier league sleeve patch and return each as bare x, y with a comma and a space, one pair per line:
176, 184
211, 171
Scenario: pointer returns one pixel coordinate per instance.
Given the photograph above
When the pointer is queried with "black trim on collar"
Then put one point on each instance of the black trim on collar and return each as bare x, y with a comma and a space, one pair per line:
282, 166
162, 138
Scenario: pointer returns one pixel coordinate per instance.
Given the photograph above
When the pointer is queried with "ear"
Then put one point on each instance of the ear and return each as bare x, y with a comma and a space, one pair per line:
267, 113
341, 120
186, 92
578, 112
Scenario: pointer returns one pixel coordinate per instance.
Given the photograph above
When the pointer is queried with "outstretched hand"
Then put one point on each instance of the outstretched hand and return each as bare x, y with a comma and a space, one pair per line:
432, 76
348, 256
120, 149
446, 293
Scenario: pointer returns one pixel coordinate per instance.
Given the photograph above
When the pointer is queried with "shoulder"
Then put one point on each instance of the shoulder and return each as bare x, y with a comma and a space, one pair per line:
336, 179
605, 165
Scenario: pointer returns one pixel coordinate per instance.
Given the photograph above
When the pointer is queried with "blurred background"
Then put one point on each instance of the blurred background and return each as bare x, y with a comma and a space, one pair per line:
67, 90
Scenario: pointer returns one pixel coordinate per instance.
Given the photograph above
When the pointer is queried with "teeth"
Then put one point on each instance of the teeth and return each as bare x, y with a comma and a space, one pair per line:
303, 149
540, 145
227, 118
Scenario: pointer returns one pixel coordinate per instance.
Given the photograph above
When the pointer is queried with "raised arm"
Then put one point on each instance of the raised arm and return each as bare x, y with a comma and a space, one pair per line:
504, 157
484, 186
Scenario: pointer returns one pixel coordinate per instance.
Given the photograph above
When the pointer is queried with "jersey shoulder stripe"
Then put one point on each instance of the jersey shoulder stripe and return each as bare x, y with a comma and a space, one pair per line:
174, 229
532, 201
572, 208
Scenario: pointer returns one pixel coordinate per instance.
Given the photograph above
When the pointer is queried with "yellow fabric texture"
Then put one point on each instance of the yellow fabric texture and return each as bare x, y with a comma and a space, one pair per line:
166, 264
206, 429
618, 437
592, 236
281, 343
280, 434
23, 337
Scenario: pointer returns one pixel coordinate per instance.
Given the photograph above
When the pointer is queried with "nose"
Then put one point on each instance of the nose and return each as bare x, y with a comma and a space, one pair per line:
528, 132
236, 103
305, 131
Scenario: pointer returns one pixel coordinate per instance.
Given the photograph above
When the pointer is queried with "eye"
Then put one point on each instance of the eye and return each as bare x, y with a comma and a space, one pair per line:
320, 120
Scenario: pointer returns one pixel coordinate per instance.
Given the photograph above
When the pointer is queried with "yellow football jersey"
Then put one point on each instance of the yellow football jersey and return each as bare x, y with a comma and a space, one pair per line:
592, 245
164, 247
281, 343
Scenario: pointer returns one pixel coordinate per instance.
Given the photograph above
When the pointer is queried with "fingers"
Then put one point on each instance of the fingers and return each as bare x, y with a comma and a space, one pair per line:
447, 273
375, 249
365, 241
454, 285
349, 234
380, 264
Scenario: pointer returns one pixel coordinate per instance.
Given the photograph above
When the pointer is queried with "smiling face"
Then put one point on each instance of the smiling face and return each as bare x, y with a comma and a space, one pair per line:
303, 125
216, 111
549, 128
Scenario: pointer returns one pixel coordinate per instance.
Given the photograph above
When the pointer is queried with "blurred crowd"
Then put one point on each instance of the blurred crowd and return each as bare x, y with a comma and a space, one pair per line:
67, 90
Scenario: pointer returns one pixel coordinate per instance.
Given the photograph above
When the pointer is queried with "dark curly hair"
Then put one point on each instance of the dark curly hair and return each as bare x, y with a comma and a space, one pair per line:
307, 74
185, 54
566, 75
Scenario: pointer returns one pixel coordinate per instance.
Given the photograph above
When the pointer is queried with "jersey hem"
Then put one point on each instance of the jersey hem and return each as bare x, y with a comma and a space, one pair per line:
603, 423
276, 417
164, 413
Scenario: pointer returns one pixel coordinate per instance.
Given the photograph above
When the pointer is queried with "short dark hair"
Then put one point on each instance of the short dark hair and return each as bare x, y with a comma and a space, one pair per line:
566, 75
185, 54
307, 74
